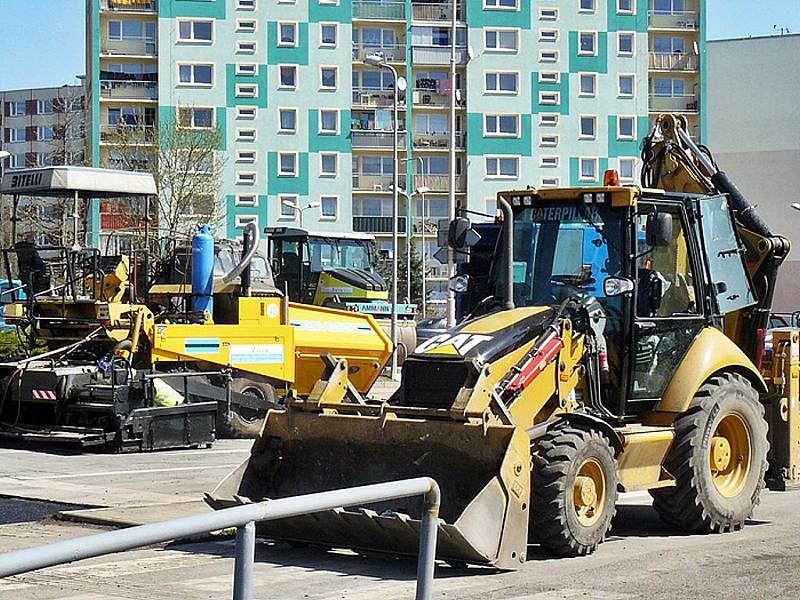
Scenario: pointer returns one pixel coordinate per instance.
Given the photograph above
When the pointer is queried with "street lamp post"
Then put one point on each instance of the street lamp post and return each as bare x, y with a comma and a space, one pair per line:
420, 191
299, 210
378, 60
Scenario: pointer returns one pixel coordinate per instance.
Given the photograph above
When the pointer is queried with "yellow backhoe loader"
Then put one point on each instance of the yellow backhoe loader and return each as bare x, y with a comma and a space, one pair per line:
616, 349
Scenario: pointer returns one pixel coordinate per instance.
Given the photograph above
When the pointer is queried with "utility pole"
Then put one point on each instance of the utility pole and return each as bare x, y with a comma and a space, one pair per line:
451, 205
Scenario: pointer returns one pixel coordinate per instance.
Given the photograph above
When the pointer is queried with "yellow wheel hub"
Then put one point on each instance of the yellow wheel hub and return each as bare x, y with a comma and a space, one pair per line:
730, 455
589, 492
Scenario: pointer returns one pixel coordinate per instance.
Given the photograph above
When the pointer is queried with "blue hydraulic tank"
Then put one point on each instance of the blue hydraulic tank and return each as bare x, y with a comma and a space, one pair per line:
203, 271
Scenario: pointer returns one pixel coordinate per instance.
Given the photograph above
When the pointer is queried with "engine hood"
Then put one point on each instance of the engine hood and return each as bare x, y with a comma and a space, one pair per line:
487, 338
358, 278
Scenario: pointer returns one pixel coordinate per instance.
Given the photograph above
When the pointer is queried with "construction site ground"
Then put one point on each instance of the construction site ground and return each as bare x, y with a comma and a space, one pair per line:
70, 494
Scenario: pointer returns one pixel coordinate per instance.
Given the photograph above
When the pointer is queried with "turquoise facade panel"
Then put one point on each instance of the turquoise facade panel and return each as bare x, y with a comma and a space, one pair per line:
562, 87
330, 13
479, 144
287, 185
322, 142
574, 173
597, 63
478, 16
231, 79
293, 55
634, 22
617, 147
208, 9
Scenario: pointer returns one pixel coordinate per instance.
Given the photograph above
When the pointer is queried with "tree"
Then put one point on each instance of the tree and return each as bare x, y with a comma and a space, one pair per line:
187, 168
384, 268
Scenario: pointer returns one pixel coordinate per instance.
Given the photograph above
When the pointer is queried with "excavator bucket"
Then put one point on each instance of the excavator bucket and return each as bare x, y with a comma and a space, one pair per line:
483, 471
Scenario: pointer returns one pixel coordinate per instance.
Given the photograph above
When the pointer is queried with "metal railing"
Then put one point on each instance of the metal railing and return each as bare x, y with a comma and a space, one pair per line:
393, 54
378, 224
393, 11
439, 99
425, 140
674, 103
436, 12
372, 182
129, 5
439, 183
128, 90
437, 55
366, 138
663, 61
374, 97
243, 518
127, 134
142, 47
676, 19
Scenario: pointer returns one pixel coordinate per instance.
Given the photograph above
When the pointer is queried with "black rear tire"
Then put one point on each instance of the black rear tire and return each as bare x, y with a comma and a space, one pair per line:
705, 501
561, 520
247, 422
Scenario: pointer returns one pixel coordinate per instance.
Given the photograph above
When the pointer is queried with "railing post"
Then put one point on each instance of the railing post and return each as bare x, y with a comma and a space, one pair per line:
243, 567
427, 542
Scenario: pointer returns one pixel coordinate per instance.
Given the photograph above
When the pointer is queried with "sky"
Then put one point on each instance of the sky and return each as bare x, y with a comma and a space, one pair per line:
31, 29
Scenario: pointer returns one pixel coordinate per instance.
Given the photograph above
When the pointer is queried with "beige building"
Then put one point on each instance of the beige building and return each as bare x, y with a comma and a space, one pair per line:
754, 132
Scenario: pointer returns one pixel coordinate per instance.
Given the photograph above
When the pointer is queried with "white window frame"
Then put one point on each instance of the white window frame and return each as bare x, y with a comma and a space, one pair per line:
549, 76
499, 49
193, 83
633, 129
633, 86
550, 182
632, 10
241, 156
282, 173
194, 40
246, 47
336, 169
549, 140
246, 25
243, 134
42, 102
627, 159
581, 134
13, 139
548, 13
323, 44
548, 98
498, 133
496, 5
593, 77
246, 90
250, 200
245, 4
589, 11
596, 42
240, 221
294, 199
283, 109
499, 157
322, 216
329, 2
549, 35
322, 131
323, 87
281, 43
246, 178
549, 161
193, 110
593, 159
632, 35
281, 85
247, 69
14, 112
498, 91
548, 56
247, 113
548, 119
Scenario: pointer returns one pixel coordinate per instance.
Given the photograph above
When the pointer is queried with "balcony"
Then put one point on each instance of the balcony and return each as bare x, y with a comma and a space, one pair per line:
378, 225
381, 11
428, 98
437, 55
688, 103
681, 20
139, 135
374, 98
673, 62
129, 5
364, 182
436, 12
128, 90
362, 138
440, 183
394, 54
436, 141
129, 48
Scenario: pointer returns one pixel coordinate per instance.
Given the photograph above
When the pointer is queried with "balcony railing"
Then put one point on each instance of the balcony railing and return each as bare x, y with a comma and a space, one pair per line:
391, 11
437, 55
436, 12
129, 5
685, 20
662, 61
687, 103
363, 182
439, 183
374, 97
378, 224
392, 54
364, 138
124, 134
128, 90
436, 141
428, 97
129, 47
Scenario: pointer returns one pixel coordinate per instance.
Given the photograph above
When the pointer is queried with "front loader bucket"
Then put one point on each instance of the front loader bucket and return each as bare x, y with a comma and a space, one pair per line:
483, 473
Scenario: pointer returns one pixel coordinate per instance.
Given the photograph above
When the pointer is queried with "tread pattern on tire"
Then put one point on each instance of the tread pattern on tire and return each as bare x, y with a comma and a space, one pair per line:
556, 454
684, 505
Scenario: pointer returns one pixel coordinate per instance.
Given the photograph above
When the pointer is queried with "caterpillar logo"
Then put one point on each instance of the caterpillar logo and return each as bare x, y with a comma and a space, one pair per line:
446, 343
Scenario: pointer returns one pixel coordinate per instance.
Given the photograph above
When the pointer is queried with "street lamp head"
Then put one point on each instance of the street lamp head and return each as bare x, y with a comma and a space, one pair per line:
375, 60
4, 154
795, 205
289, 203
313, 205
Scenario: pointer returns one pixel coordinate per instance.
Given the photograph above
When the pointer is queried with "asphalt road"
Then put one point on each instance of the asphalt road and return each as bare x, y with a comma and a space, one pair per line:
642, 559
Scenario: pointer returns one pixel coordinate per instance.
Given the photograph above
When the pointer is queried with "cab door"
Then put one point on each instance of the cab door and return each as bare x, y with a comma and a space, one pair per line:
668, 308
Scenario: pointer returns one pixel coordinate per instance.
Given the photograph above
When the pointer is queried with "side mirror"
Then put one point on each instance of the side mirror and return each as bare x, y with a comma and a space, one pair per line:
616, 286
460, 234
658, 230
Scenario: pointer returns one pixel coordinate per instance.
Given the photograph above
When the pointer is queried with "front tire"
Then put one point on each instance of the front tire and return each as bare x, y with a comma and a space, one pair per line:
574, 491
718, 459
247, 422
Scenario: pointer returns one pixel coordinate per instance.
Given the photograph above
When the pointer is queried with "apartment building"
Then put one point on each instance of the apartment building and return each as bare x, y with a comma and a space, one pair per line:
546, 93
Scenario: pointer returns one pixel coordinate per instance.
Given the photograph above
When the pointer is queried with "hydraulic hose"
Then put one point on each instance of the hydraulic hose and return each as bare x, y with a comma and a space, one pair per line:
252, 231
508, 238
